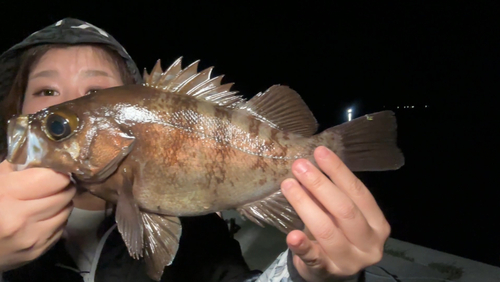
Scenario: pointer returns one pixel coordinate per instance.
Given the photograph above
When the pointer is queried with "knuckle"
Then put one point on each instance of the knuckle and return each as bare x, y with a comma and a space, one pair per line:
34, 254
313, 262
379, 255
299, 198
346, 211
326, 233
356, 187
314, 180
386, 230
348, 271
10, 228
372, 256
337, 165
375, 256
28, 244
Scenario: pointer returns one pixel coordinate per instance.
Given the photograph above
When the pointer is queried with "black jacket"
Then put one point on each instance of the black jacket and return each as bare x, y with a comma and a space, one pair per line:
207, 252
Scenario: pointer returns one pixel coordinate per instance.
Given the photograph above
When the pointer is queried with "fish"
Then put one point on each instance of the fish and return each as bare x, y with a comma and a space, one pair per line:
183, 143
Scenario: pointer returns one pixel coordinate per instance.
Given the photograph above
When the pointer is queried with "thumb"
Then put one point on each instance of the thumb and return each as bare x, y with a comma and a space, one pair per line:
308, 257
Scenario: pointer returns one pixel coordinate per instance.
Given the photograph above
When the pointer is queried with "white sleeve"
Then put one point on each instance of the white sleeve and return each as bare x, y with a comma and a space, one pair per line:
279, 271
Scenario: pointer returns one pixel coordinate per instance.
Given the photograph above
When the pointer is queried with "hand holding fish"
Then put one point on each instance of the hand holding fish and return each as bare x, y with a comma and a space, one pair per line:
349, 227
183, 144
34, 207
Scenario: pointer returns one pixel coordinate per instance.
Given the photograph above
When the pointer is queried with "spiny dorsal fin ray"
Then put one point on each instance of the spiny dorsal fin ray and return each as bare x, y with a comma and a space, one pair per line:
145, 75
189, 81
172, 72
155, 74
279, 106
183, 77
282, 108
273, 210
206, 85
196, 80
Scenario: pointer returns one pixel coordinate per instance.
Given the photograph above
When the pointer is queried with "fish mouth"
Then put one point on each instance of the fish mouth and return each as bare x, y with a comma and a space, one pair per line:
17, 131
24, 148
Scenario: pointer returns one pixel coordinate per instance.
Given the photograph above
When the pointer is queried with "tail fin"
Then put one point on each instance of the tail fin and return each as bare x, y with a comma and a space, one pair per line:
367, 143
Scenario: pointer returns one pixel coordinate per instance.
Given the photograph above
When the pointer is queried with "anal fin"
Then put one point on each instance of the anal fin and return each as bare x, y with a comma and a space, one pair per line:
161, 238
274, 210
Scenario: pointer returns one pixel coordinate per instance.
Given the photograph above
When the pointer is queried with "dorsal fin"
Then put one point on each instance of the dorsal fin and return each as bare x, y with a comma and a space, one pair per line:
189, 81
279, 106
283, 108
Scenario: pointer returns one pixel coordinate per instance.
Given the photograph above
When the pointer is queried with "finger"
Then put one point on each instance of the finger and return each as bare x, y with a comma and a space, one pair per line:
35, 183
308, 258
6, 167
49, 228
348, 217
40, 236
41, 247
45, 208
314, 217
340, 174
308, 253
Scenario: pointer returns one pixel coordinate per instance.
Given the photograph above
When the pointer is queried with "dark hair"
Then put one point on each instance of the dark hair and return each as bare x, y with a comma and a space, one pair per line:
13, 101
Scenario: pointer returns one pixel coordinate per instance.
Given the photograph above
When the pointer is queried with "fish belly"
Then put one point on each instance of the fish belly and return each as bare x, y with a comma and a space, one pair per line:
195, 180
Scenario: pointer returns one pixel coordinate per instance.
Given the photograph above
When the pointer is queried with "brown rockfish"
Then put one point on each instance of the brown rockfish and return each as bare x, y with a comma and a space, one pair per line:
183, 144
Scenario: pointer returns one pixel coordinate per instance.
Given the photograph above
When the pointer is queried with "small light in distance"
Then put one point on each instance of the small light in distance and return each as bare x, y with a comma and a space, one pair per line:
349, 114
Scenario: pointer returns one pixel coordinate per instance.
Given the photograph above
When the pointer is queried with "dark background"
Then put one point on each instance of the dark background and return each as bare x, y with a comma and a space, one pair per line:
368, 56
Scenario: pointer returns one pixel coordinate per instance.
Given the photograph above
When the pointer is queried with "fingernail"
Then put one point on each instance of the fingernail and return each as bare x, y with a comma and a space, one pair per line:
300, 167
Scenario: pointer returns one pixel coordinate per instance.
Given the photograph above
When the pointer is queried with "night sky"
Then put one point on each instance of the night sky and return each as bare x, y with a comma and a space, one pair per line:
364, 56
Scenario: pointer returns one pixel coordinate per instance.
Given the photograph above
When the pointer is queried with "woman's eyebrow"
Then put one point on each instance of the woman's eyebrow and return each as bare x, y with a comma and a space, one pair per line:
44, 73
91, 73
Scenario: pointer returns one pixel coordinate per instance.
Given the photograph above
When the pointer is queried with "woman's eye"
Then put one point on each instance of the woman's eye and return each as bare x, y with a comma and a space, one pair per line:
47, 92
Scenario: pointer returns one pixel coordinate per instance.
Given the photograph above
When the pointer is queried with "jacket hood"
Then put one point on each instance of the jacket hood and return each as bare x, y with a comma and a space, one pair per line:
65, 31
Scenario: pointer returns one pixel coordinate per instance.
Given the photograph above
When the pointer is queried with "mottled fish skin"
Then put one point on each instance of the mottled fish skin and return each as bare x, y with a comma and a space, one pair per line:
191, 157
182, 144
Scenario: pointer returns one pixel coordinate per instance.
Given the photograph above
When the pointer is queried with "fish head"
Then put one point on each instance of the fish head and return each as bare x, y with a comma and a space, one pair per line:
44, 139
69, 138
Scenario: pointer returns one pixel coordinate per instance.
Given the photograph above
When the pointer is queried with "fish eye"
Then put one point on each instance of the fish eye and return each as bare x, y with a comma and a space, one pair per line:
59, 125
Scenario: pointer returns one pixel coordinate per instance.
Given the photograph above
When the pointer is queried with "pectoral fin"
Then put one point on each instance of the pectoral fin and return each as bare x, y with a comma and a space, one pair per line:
274, 210
161, 238
152, 236
128, 220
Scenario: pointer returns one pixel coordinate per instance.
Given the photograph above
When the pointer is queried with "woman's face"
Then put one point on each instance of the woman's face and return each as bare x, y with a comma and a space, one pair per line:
63, 74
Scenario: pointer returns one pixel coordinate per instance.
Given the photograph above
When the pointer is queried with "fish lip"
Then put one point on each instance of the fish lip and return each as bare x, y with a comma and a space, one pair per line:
17, 132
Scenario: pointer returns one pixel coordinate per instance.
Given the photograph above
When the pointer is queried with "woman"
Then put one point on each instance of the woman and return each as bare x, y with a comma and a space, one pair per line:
72, 58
